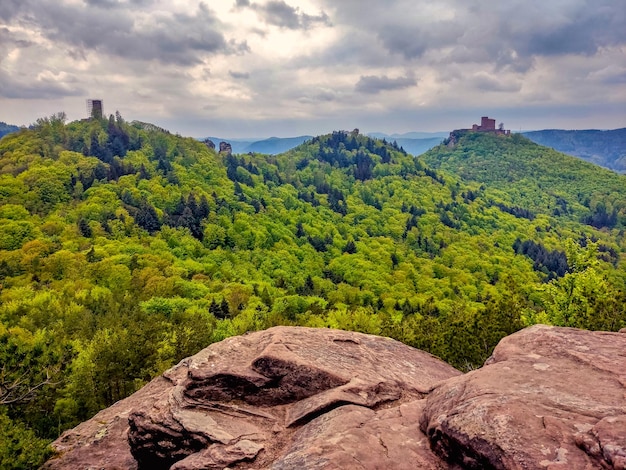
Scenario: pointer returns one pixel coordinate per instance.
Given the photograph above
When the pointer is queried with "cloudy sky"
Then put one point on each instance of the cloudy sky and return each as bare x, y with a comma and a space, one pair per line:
260, 68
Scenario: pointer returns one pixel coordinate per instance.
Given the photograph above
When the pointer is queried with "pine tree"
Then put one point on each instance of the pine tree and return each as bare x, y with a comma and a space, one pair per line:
147, 218
224, 309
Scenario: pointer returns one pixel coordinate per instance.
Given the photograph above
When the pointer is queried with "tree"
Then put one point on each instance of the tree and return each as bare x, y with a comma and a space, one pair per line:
84, 228
20, 447
29, 363
225, 309
584, 297
308, 288
147, 218
350, 247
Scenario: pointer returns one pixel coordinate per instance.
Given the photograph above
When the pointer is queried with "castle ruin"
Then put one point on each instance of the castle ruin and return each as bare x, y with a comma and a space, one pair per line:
489, 125
486, 125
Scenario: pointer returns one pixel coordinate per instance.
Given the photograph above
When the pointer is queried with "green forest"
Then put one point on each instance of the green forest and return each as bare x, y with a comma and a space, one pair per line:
125, 248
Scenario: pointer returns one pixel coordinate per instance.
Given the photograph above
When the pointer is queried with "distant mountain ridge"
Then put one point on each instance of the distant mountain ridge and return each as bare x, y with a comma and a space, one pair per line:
270, 146
7, 129
409, 135
604, 148
414, 143
418, 146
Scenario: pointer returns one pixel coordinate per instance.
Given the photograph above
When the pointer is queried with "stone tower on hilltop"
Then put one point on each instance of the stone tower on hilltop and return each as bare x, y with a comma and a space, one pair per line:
94, 108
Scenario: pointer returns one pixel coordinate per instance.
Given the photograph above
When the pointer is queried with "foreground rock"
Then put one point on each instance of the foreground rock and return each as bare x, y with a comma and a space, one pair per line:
284, 397
298, 398
548, 398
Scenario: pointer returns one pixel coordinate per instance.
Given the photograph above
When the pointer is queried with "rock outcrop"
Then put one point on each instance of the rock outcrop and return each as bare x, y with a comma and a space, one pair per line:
552, 398
226, 148
264, 398
288, 397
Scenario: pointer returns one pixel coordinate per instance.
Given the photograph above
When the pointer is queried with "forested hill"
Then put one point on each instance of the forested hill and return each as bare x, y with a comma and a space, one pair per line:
604, 148
536, 178
124, 248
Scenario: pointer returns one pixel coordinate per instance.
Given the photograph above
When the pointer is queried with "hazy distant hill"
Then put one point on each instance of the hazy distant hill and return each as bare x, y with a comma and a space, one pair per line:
275, 145
604, 148
7, 128
418, 146
409, 135
414, 143
270, 146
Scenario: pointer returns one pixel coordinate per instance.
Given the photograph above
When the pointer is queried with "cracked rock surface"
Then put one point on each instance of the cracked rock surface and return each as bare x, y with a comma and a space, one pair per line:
253, 401
548, 398
301, 398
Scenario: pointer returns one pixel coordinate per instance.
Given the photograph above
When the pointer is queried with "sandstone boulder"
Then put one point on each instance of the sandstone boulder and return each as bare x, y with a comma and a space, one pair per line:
262, 400
548, 398
300, 398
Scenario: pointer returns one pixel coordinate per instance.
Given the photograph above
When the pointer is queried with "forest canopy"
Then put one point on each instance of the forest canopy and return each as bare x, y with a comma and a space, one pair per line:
125, 248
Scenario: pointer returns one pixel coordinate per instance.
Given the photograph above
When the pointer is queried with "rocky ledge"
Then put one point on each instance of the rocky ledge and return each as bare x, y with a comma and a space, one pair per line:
548, 398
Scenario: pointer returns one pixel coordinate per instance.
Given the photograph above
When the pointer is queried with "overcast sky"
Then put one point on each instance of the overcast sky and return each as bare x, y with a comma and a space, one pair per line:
234, 68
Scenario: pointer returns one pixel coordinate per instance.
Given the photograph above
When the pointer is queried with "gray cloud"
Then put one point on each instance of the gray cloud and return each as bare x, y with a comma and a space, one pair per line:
182, 39
278, 13
412, 41
508, 35
488, 83
239, 75
8, 38
47, 87
612, 75
117, 3
580, 28
372, 84
317, 97
10, 9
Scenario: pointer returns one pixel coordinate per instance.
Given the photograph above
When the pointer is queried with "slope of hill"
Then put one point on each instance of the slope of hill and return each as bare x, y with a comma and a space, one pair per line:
124, 248
604, 148
536, 178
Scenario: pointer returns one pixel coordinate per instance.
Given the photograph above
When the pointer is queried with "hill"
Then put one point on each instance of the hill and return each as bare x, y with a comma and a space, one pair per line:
536, 178
275, 145
124, 249
409, 135
7, 129
414, 143
418, 146
270, 146
604, 148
